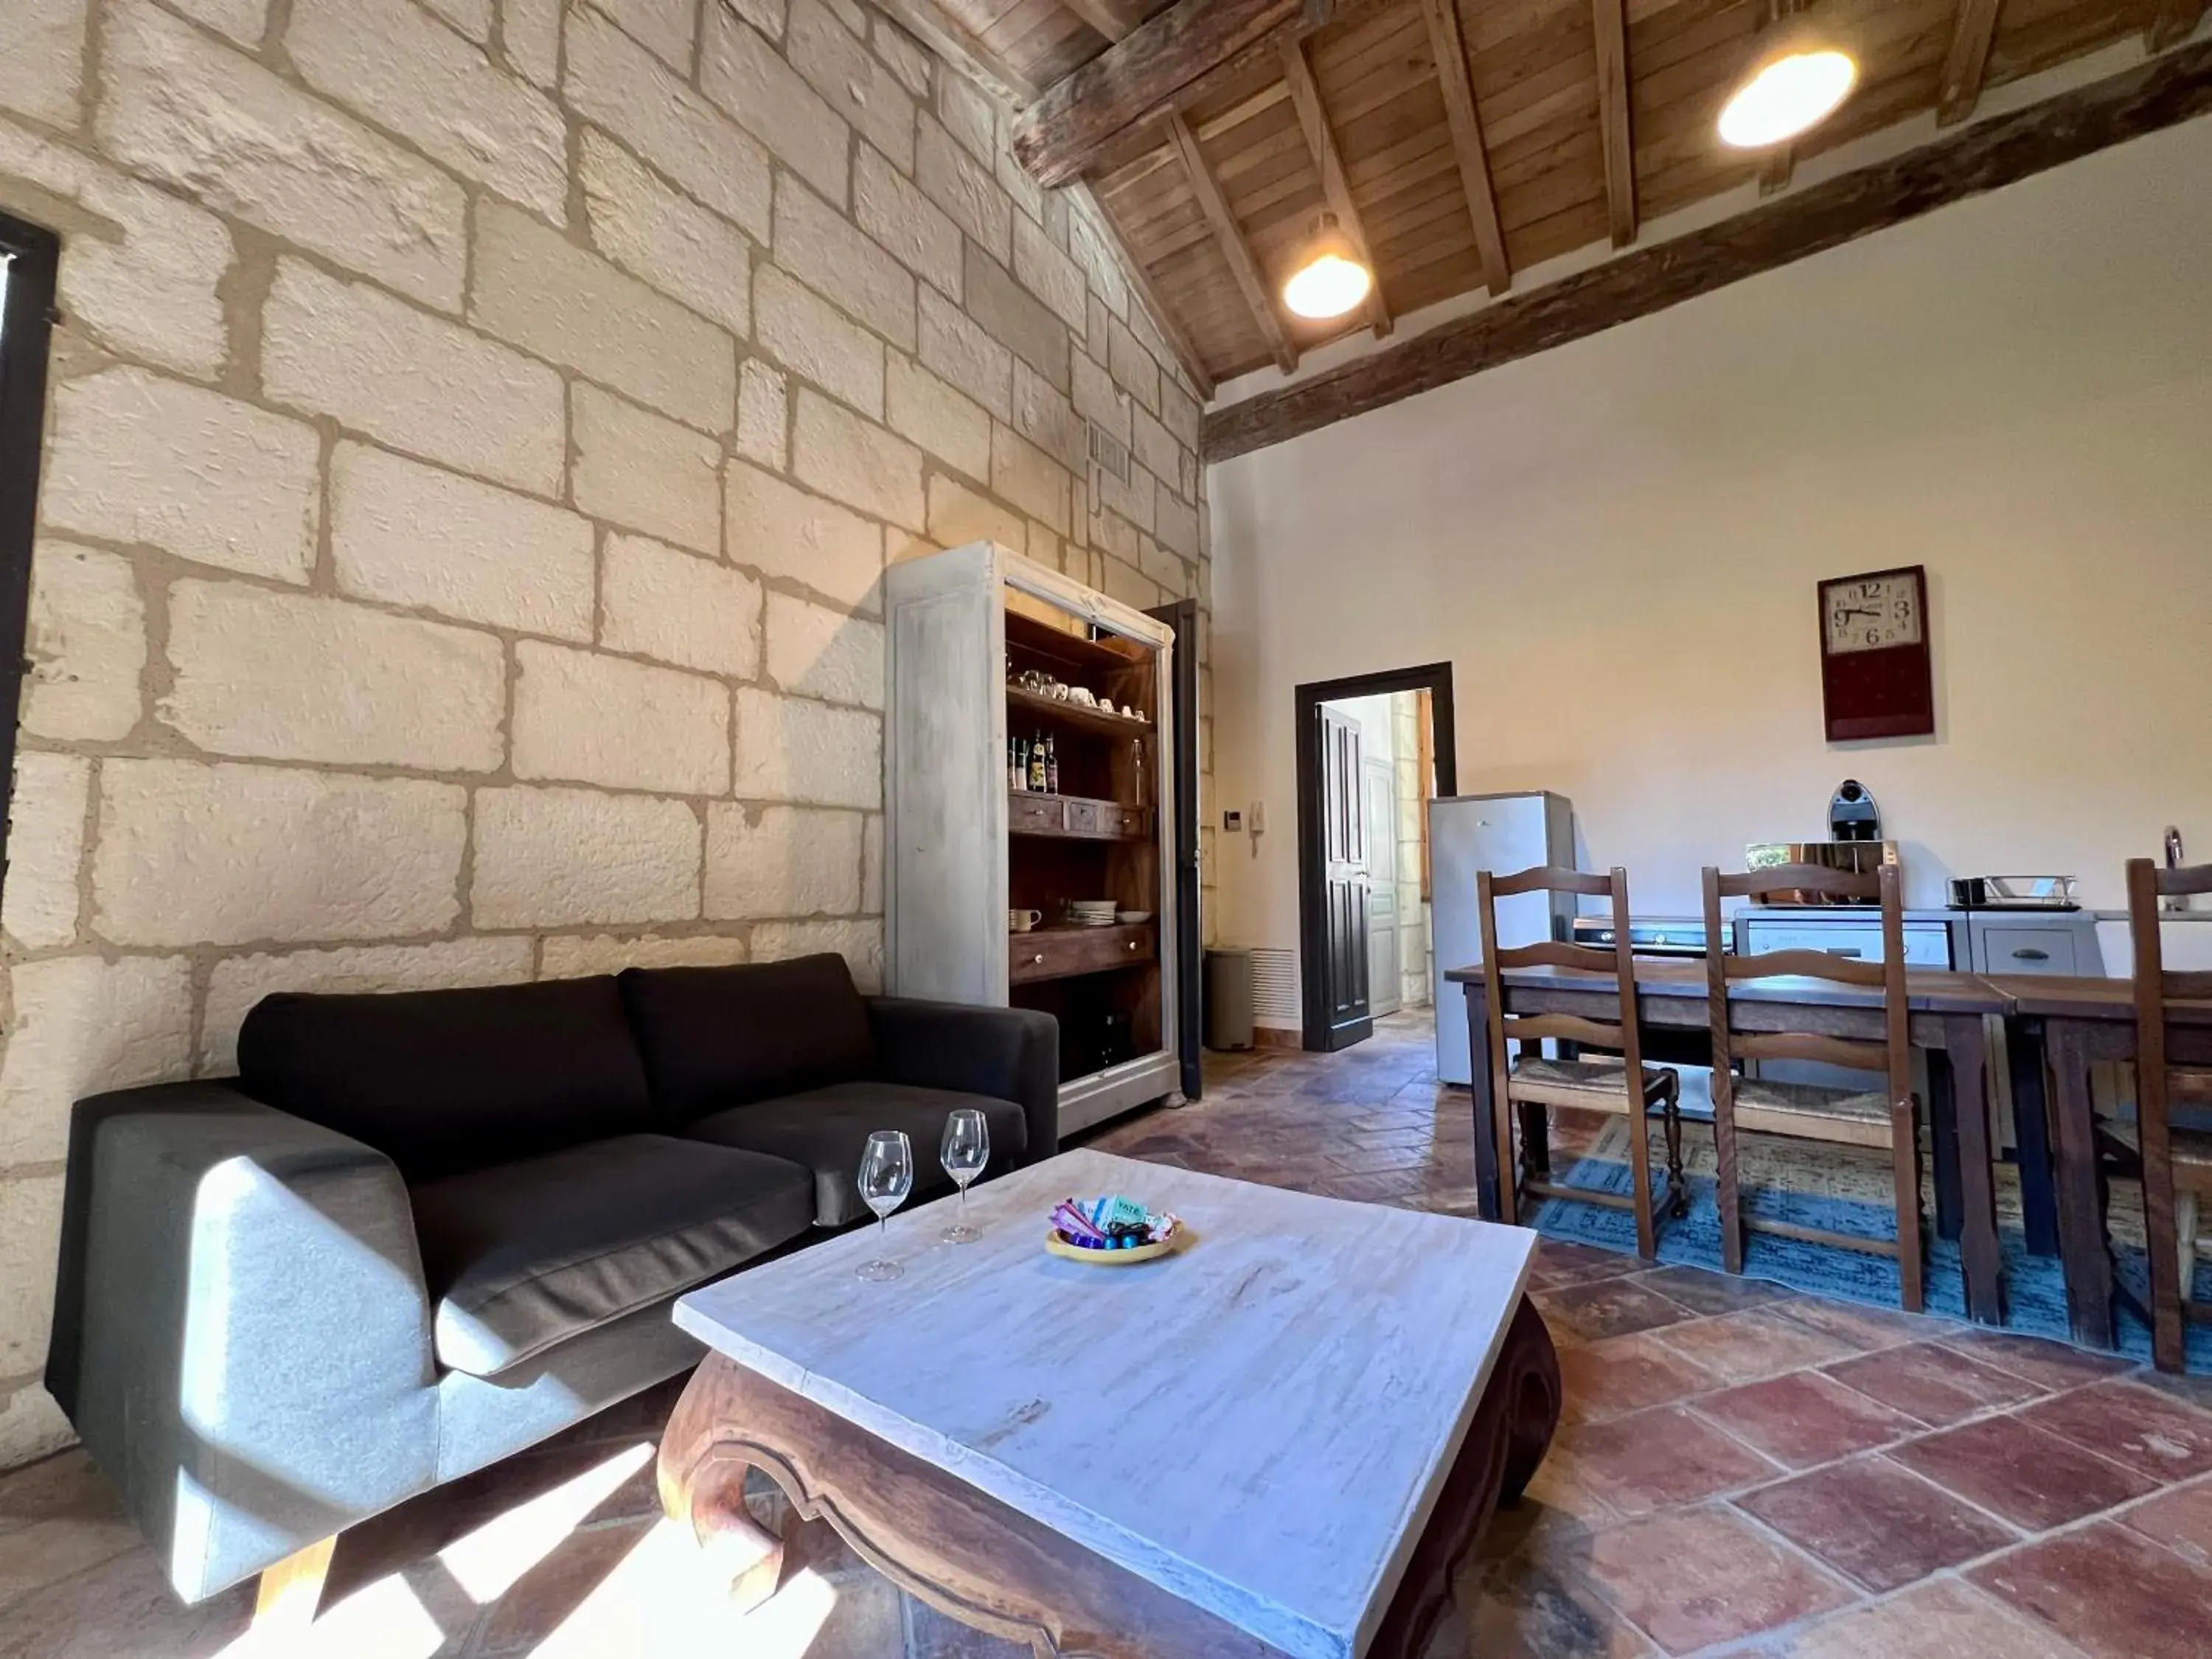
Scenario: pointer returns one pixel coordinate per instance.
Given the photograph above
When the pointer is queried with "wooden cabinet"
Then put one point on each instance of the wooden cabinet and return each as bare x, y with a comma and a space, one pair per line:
979, 638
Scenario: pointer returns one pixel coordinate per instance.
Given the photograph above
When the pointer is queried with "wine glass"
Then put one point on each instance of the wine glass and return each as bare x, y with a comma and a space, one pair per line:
886, 1177
964, 1150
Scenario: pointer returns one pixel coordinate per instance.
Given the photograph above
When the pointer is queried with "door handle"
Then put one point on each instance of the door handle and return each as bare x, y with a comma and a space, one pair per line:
1843, 951
2029, 953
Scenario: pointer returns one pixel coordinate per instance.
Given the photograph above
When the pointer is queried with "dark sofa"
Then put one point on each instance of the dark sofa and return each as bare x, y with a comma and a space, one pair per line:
423, 1230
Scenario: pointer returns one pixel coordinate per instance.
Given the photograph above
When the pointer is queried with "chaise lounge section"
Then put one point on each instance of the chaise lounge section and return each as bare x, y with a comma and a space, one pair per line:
423, 1232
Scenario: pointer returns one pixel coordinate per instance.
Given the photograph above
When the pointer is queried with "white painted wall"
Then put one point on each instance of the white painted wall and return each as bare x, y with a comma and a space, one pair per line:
1616, 543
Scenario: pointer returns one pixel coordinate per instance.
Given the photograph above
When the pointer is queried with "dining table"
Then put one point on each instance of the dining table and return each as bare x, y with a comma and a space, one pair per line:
1950, 1015
2057, 1029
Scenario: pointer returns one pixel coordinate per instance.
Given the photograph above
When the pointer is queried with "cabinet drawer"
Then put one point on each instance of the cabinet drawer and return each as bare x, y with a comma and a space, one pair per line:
1033, 813
1927, 944
2027, 951
1060, 953
1083, 818
1118, 820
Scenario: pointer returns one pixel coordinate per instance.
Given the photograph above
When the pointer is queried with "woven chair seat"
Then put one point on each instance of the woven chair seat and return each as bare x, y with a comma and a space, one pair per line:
1806, 1111
1596, 1086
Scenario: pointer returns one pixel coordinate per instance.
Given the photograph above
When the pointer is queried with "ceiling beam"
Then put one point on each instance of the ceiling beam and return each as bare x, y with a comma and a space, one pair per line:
1230, 235
1086, 202
1104, 16
2000, 150
1611, 17
1305, 95
2174, 22
1138, 78
1973, 28
1450, 50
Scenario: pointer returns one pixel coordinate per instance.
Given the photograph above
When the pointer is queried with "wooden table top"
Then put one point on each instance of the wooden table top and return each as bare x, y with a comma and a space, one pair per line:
2056, 996
1929, 990
1259, 1424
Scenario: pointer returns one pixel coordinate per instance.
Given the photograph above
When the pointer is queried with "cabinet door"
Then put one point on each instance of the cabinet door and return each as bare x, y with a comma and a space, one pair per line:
1926, 943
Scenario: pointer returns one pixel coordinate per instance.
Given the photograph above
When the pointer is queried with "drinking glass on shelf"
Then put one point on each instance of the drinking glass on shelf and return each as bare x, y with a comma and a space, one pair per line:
886, 1177
964, 1150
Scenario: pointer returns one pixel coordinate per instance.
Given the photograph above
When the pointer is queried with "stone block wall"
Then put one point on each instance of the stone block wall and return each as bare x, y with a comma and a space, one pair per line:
478, 431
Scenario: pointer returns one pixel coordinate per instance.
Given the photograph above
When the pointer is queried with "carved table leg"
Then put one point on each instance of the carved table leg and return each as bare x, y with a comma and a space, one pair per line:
703, 1485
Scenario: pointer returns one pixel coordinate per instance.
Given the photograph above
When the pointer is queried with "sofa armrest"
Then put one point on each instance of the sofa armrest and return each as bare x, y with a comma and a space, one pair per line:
241, 1331
1009, 1054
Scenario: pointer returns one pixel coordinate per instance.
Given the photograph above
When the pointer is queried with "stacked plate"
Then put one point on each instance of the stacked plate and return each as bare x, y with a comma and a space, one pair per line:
1090, 912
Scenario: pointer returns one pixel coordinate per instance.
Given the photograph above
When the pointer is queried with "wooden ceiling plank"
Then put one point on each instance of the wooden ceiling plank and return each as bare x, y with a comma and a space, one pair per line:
1313, 118
1611, 17
1105, 16
2174, 22
1987, 155
1450, 54
1973, 31
1234, 248
1141, 279
1136, 77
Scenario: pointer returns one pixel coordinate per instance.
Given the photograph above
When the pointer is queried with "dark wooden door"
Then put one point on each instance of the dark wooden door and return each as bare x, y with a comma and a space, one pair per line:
1182, 617
1345, 880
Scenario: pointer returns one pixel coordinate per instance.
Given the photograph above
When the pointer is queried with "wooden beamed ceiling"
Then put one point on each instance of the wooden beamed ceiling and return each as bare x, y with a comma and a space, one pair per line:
1460, 143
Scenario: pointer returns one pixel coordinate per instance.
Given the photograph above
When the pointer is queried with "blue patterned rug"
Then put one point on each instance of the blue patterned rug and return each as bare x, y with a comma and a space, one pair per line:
2035, 1285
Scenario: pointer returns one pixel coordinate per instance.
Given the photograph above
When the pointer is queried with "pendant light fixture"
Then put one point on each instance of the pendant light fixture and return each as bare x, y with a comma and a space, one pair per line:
1332, 280
1792, 91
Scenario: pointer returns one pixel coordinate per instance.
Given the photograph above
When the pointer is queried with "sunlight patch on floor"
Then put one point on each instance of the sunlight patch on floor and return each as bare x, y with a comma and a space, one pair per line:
491, 1560
665, 1597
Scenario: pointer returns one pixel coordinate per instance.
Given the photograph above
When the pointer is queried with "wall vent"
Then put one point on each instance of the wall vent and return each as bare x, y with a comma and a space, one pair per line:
1109, 452
1275, 999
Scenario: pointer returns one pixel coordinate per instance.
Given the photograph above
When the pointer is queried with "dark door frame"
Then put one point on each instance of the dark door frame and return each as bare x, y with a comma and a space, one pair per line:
1435, 679
33, 258
1182, 615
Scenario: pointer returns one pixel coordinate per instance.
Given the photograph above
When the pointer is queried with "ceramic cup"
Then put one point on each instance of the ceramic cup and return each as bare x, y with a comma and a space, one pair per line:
1020, 921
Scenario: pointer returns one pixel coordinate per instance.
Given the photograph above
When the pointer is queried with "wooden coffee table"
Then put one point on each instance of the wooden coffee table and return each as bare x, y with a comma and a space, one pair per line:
1280, 1440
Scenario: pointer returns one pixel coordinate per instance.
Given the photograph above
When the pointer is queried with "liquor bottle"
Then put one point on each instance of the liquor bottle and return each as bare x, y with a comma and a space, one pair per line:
1036, 763
1014, 778
1051, 768
1021, 764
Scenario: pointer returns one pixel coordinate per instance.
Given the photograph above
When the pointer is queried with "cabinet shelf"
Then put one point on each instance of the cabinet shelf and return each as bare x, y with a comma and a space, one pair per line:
1076, 715
1074, 817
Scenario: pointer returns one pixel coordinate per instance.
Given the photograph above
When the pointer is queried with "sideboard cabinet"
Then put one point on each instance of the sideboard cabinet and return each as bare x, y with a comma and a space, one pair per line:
994, 660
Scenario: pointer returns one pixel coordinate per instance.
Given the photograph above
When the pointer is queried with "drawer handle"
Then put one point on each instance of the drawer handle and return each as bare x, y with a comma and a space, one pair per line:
1038, 959
1843, 950
1132, 944
2029, 953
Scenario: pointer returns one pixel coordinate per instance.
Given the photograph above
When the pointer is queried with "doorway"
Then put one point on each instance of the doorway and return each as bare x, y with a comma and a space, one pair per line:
29, 260
1372, 749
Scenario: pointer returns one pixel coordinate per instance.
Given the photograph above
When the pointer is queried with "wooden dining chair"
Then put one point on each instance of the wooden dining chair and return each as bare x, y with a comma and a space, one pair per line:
1883, 1118
1595, 1086
2176, 1163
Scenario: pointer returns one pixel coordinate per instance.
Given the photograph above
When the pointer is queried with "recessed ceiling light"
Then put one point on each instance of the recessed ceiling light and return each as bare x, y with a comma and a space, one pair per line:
1332, 281
1789, 96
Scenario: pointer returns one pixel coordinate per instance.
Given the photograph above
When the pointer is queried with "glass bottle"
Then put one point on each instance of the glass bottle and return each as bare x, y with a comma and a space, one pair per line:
1037, 762
1051, 768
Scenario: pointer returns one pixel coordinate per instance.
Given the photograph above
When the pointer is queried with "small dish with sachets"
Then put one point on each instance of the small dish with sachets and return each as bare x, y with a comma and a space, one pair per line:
1113, 1231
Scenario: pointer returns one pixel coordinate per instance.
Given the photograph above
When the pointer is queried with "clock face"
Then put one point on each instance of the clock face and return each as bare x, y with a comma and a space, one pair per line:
1870, 613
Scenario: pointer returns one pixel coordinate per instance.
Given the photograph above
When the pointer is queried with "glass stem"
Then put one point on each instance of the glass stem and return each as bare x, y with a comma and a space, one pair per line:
883, 1232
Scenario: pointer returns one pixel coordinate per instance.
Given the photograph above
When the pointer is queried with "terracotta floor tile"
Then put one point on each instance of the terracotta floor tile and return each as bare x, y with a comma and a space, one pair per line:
2033, 1479
1946, 1619
1533, 1610
1558, 1263
1804, 1419
552, 1589
1936, 1384
1705, 1292
65, 1486
1657, 1459
47, 1552
1605, 1307
1742, 1347
2181, 1520
1621, 1374
2047, 1364
1703, 1577
2112, 1594
1875, 1523
2153, 1433
124, 1607
1864, 1329
1559, 1486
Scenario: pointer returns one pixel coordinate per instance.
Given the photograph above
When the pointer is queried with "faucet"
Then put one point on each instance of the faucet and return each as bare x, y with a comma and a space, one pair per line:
2178, 901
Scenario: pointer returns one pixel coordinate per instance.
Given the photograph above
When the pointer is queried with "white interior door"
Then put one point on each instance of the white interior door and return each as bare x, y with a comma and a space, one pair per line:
1379, 797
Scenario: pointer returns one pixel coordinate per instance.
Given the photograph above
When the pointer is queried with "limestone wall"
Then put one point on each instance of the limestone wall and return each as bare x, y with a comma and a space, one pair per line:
478, 431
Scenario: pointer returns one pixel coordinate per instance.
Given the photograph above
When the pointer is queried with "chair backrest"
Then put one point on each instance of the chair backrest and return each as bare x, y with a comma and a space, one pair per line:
1891, 1056
2155, 985
1620, 962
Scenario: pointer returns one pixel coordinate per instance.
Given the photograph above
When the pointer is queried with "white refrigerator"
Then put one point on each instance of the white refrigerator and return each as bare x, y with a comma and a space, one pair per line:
1500, 833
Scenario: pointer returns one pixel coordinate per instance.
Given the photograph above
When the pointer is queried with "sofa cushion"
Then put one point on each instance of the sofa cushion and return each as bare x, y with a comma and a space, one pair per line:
522, 1256
826, 1129
444, 1081
717, 1037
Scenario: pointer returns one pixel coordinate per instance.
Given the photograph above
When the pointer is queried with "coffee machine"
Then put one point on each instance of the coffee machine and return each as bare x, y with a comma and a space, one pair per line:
1852, 815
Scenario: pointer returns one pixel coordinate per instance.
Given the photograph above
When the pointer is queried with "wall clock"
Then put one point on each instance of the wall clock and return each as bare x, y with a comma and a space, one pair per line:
1877, 678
